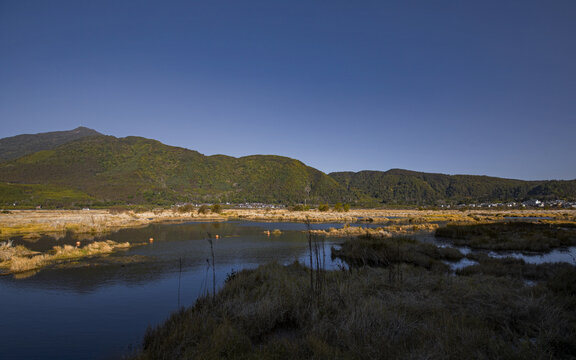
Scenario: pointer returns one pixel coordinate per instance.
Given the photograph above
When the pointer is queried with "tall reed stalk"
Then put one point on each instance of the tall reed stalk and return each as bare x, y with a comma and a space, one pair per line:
316, 246
213, 266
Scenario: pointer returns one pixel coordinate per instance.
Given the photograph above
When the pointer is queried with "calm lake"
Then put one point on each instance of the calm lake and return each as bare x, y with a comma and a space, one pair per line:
101, 310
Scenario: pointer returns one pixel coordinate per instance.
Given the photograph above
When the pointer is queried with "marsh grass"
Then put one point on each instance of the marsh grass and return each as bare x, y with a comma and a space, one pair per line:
383, 232
268, 313
372, 251
513, 268
8, 251
521, 236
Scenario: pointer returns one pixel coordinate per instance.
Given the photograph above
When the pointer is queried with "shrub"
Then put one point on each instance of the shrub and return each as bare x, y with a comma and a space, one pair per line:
323, 207
115, 210
300, 207
204, 209
341, 207
185, 208
216, 208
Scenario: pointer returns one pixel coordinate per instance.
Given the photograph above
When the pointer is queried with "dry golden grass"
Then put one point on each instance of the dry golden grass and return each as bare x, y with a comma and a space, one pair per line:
22, 259
384, 231
22, 263
8, 250
33, 223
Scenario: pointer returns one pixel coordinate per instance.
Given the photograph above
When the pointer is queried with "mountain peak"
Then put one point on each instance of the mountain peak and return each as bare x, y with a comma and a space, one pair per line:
83, 129
17, 146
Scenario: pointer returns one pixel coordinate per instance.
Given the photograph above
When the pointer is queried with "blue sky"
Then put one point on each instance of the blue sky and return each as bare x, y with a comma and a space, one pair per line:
456, 87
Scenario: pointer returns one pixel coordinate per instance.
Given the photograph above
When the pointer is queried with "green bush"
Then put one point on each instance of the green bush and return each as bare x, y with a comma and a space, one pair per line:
216, 208
300, 207
323, 207
185, 208
204, 209
341, 207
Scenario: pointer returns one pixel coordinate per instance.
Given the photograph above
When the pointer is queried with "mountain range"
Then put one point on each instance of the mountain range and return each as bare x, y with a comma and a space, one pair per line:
82, 167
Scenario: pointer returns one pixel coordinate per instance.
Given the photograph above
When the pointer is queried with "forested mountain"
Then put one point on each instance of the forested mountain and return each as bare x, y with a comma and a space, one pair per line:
398, 186
20, 145
83, 167
139, 170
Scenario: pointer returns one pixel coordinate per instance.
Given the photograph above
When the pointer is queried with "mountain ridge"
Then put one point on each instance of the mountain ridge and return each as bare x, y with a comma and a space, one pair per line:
94, 168
398, 186
140, 170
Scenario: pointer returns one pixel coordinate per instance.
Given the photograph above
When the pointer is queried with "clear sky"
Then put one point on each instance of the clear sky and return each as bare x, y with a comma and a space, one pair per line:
457, 87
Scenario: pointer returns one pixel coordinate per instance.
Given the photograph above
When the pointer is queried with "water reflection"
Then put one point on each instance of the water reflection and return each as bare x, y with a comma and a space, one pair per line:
566, 255
557, 255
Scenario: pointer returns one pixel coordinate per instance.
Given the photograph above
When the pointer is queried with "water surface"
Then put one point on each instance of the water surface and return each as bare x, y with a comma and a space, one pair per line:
100, 311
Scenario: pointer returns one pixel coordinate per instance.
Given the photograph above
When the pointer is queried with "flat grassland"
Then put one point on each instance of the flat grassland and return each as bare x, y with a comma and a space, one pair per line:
33, 223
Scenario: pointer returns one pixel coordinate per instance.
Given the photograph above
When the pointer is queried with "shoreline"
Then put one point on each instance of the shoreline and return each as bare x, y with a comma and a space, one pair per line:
31, 224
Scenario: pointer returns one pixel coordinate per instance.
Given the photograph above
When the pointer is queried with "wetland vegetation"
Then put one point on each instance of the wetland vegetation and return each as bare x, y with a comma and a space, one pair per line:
270, 313
523, 236
398, 297
395, 297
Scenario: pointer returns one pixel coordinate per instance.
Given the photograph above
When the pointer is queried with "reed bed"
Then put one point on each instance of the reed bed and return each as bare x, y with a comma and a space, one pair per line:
384, 231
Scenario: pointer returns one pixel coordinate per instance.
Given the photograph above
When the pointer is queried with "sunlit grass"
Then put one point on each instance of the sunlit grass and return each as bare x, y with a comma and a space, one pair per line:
21, 259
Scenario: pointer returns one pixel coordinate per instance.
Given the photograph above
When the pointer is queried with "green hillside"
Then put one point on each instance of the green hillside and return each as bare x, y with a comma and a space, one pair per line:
50, 196
81, 167
20, 145
409, 187
139, 170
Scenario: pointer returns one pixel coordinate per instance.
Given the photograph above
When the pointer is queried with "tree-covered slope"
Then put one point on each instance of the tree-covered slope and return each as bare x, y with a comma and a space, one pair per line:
83, 167
139, 170
20, 145
409, 187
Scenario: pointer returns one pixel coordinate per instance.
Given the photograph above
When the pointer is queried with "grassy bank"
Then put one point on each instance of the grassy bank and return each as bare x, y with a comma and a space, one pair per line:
34, 223
270, 313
